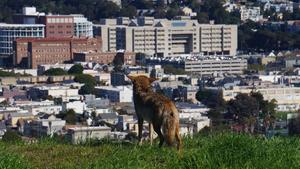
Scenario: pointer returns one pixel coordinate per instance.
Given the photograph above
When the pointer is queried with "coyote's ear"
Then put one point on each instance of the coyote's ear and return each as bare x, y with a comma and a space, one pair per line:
151, 79
131, 77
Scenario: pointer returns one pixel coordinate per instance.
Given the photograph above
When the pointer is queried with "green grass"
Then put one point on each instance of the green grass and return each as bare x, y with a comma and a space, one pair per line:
210, 152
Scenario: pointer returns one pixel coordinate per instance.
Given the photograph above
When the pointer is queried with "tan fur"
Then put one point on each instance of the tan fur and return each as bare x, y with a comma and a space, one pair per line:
157, 109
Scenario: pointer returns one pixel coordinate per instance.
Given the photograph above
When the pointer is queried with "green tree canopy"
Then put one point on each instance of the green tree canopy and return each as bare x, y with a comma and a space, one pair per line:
76, 69
55, 72
85, 79
87, 89
169, 69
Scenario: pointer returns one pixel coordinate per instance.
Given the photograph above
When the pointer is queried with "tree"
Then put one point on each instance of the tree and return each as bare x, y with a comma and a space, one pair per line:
76, 69
87, 89
128, 11
213, 100
55, 72
169, 69
294, 125
266, 109
85, 79
70, 117
244, 109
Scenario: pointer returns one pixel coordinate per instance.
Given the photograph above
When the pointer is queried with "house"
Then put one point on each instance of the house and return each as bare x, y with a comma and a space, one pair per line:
92, 101
111, 118
188, 92
81, 134
12, 118
78, 106
64, 92
119, 94
192, 126
192, 111
44, 127
123, 122
52, 109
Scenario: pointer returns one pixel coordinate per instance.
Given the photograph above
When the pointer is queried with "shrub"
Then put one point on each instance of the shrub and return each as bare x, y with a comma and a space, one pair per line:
11, 137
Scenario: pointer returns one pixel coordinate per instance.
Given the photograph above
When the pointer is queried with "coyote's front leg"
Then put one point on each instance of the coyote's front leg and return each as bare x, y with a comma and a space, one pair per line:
140, 132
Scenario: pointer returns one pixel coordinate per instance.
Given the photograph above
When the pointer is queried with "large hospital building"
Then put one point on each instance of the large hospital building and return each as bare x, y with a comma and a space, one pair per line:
162, 37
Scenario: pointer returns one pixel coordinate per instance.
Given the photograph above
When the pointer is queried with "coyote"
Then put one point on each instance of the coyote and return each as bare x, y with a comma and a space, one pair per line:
157, 109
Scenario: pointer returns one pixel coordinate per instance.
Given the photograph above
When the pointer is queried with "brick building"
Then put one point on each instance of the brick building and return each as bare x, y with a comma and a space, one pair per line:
104, 57
32, 52
58, 25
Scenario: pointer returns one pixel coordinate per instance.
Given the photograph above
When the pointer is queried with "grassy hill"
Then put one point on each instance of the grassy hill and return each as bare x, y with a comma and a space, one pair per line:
210, 152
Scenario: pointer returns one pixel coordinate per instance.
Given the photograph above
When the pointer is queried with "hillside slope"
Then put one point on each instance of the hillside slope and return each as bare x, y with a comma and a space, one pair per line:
214, 151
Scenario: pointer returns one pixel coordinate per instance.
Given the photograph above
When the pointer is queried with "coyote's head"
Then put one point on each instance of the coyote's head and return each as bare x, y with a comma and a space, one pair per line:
141, 83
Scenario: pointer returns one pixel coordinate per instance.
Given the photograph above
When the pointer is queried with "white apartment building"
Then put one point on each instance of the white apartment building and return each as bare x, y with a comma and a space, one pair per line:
51, 109
78, 106
250, 13
287, 97
10, 32
162, 37
64, 92
119, 94
81, 134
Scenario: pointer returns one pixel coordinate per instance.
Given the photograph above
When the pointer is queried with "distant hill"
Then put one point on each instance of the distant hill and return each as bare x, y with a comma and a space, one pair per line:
211, 152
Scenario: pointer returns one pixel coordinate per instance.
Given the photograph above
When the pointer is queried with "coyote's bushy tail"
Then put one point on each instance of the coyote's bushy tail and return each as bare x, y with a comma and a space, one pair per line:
170, 123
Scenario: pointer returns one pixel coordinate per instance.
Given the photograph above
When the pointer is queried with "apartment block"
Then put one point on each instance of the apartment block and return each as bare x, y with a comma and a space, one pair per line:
212, 66
104, 57
250, 13
164, 37
287, 97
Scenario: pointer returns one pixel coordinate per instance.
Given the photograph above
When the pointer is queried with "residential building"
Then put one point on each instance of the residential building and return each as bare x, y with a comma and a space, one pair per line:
103, 57
287, 97
164, 37
82, 134
118, 94
250, 13
44, 67
51, 109
44, 127
123, 121
78, 106
211, 66
8, 93
188, 92
203, 65
34, 79
190, 126
10, 32
192, 111
13, 118
92, 101
52, 50
110, 118
66, 93
279, 7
